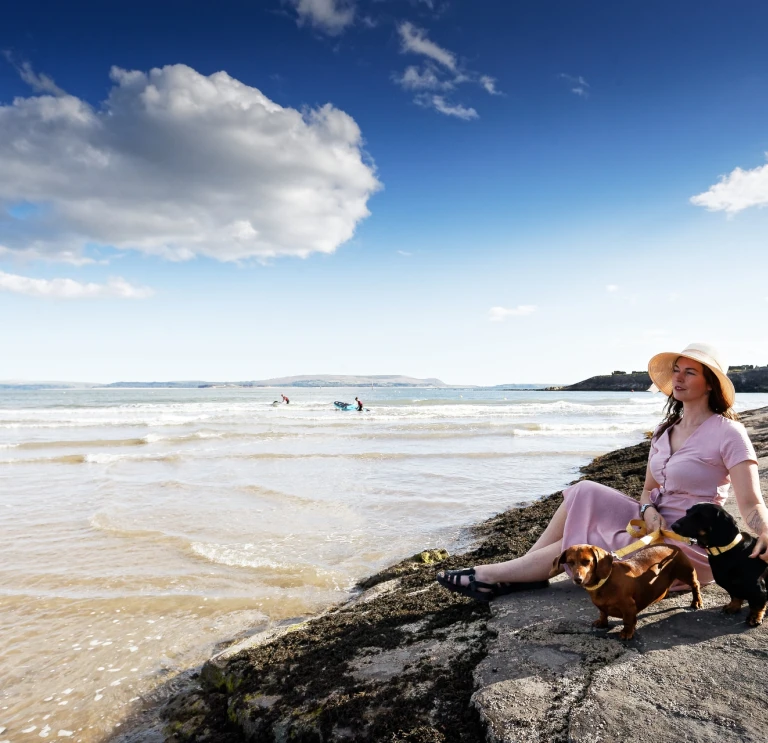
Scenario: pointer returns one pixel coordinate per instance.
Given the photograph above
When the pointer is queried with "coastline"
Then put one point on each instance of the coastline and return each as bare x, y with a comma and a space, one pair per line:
400, 662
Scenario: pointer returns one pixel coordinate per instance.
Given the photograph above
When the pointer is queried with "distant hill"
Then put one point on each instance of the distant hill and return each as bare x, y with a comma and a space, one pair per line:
745, 378
516, 386
317, 380
12, 384
342, 380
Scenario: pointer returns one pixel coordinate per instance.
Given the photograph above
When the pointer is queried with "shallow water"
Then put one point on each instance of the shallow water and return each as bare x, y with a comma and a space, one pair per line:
142, 527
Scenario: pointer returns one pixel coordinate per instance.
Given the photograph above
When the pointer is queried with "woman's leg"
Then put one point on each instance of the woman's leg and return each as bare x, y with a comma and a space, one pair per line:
532, 566
554, 531
535, 564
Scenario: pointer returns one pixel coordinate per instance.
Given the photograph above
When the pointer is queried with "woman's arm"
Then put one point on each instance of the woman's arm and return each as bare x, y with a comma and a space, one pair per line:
746, 487
653, 519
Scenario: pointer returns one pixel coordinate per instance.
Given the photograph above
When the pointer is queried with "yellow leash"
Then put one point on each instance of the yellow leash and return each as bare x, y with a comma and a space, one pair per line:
637, 528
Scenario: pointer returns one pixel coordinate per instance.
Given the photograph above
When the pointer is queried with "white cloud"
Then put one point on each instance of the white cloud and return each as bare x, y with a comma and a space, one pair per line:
489, 83
70, 289
439, 104
611, 287
38, 83
178, 164
440, 72
737, 191
497, 314
404, 252
414, 39
415, 79
578, 85
329, 16
72, 257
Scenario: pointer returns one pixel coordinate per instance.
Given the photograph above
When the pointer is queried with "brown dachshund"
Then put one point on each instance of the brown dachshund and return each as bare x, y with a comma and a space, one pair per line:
622, 588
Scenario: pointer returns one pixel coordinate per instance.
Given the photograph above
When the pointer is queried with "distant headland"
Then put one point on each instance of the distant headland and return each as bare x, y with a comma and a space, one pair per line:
745, 378
316, 380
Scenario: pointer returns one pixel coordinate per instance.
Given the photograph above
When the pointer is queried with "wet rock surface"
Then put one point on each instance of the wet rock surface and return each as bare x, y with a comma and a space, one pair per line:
408, 661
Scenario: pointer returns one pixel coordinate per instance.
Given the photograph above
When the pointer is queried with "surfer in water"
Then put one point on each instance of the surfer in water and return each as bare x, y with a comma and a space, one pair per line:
359, 404
285, 399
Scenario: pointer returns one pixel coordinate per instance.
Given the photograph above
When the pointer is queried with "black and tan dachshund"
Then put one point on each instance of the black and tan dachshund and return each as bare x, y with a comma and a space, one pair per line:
729, 552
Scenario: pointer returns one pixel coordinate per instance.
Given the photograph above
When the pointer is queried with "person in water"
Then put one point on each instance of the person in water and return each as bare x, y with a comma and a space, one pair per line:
698, 450
359, 404
285, 399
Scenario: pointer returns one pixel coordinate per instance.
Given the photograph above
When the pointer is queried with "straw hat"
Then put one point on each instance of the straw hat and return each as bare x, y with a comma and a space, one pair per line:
660, 368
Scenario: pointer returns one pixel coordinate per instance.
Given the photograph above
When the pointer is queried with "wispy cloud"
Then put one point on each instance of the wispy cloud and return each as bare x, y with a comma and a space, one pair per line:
578, 85
40, 83
611, 287
440, 104
70, 289
739, 190
404, 252
414, 39
427, 79
62, 255
328, 16
440, 72
497, 314
489, 83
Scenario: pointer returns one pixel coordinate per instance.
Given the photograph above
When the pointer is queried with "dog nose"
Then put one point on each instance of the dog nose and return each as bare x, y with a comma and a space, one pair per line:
577, 580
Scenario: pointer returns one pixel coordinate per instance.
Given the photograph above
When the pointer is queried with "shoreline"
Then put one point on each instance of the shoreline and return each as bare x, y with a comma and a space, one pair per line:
402, 656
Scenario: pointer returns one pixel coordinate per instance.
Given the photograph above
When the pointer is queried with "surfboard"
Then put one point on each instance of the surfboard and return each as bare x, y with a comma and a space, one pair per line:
347, 405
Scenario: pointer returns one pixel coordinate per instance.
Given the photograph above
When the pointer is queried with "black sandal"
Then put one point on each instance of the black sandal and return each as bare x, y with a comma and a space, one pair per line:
451, 579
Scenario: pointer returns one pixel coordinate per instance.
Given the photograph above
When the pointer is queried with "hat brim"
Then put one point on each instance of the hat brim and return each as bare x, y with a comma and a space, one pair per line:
660, 370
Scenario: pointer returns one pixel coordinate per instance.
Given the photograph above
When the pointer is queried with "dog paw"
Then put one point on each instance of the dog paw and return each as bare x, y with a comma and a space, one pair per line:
627, 634
697, 604
600, 623
755, 620
732, 608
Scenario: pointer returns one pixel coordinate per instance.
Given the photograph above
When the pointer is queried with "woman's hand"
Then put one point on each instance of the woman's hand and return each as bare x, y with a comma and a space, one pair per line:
761, 547
653, 519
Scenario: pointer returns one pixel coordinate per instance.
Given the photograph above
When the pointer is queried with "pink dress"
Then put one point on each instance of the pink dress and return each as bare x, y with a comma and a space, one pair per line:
696, 473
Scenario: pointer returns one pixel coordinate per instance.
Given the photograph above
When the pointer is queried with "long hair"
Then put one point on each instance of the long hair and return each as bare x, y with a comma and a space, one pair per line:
673, 410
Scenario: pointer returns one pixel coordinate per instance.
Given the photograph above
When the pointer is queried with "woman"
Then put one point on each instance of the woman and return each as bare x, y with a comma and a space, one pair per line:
698, 450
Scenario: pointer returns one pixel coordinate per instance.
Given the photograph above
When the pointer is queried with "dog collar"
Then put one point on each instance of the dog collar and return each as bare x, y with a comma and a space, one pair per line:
598, 584
720, 550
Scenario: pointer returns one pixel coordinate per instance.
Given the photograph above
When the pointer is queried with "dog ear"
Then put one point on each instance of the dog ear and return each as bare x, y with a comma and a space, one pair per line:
556, 565
603, 562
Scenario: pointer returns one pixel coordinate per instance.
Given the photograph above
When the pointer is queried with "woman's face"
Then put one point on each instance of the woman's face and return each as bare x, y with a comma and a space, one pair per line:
688, 380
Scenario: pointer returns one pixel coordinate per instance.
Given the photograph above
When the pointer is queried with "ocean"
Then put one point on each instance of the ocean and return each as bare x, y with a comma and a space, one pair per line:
141, 528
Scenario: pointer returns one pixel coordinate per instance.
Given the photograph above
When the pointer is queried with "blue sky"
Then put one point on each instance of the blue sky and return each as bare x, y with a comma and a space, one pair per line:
481, 192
